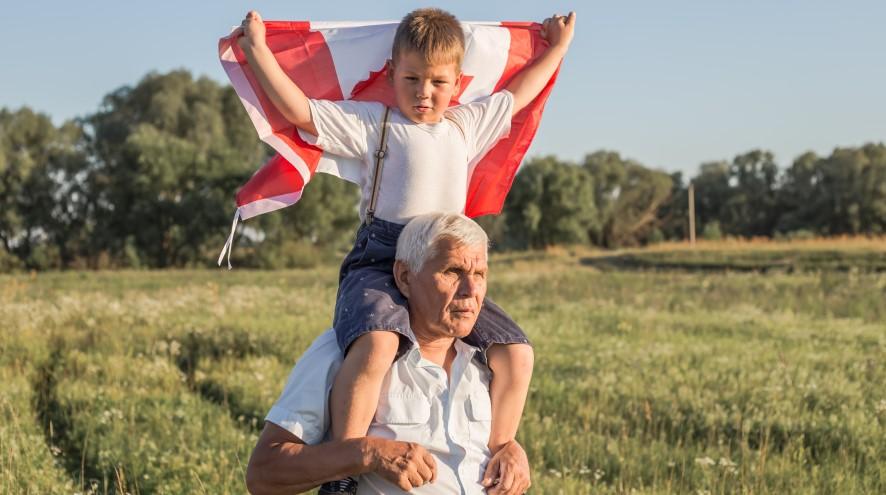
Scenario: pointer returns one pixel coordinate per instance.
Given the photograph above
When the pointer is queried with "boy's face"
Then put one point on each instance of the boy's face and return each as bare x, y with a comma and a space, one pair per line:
423, 90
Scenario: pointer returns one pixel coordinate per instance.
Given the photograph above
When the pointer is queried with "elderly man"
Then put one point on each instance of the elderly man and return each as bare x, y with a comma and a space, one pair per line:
431, 429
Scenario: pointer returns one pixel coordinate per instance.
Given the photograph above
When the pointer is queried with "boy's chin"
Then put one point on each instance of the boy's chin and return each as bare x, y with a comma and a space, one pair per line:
429, 117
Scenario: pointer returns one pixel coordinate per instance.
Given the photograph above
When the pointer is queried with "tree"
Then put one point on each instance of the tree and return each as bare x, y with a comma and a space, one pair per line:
170, 153
551, 202
44, 217
673, 216
628, 197
750, 208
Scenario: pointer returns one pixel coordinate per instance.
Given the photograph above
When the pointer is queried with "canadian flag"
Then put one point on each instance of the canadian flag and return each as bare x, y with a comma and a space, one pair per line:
348, 60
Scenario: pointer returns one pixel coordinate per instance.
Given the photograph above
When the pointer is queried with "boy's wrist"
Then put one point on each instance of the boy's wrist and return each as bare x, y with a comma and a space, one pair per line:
559, 49
253, 46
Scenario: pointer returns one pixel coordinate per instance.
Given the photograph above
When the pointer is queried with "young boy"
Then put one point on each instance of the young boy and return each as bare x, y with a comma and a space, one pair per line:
425, 168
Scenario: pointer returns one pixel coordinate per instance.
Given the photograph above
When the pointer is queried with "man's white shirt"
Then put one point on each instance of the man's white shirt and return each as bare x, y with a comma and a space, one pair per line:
448, 416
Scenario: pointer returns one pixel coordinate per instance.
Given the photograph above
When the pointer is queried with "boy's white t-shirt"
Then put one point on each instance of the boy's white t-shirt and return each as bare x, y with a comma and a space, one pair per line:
427, 165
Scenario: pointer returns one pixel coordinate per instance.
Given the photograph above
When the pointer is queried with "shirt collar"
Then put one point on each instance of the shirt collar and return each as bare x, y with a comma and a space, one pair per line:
463, 351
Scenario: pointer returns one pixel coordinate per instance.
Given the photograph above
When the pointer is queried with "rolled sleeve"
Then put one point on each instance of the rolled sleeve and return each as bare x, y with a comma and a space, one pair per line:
303, 407
342, 126
484, 121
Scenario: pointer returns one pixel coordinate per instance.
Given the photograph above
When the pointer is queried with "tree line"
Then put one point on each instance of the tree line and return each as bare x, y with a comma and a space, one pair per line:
148, 181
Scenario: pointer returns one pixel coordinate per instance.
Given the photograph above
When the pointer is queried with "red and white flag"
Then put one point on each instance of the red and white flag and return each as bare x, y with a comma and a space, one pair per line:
348, 60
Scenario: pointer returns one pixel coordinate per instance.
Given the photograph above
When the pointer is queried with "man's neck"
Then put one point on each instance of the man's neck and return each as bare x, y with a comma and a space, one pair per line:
440, 351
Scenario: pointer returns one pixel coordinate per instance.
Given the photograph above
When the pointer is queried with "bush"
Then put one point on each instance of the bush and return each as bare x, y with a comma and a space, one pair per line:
712, 231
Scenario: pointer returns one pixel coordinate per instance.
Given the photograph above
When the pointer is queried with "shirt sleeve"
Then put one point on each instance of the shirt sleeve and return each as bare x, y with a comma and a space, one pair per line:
484, 122
342, 126
302, 408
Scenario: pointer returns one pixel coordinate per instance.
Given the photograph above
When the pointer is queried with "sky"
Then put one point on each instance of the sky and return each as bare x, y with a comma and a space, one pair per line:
668, 84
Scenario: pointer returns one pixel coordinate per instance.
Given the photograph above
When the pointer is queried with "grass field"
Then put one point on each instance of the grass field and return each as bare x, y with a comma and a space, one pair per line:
647, 381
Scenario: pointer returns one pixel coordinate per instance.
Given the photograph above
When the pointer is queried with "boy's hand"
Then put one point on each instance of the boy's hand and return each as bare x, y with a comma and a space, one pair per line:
558, 30
508, 471
253, 30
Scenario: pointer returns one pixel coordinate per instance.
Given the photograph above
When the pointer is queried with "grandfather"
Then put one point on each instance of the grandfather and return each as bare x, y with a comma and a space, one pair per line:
431, 429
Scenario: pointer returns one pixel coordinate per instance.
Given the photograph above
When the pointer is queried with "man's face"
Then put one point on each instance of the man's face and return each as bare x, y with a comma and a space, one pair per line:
445, 297
423, 91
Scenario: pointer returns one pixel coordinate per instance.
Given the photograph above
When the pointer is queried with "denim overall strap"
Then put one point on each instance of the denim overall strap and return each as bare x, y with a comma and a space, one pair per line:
379, 163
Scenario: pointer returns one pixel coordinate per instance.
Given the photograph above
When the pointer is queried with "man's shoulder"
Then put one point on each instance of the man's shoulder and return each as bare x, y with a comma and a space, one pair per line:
324, 346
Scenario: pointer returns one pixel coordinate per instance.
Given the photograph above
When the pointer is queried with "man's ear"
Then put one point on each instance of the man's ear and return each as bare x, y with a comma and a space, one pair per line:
401, 277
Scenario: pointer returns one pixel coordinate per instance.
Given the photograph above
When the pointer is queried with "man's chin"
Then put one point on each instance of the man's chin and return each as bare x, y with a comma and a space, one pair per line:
462, 326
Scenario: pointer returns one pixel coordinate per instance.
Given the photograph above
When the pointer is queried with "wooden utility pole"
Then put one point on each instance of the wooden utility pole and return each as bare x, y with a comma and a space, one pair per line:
691, 215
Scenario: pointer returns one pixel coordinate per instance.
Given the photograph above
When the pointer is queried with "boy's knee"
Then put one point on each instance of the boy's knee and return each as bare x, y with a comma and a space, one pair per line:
517, 357
375, 349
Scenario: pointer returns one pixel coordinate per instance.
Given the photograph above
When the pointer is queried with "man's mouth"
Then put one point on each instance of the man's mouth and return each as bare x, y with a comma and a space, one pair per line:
462, 311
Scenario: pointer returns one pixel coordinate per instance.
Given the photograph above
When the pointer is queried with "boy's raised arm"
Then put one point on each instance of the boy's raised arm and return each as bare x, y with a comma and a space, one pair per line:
527, 84
285, 94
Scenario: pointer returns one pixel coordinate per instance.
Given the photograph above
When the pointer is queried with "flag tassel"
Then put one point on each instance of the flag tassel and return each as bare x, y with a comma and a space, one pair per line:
229, 245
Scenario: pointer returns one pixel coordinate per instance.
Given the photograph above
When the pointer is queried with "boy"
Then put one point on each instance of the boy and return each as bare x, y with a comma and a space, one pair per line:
428, 148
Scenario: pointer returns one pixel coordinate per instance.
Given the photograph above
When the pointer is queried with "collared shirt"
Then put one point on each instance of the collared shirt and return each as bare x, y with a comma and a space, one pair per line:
448, 416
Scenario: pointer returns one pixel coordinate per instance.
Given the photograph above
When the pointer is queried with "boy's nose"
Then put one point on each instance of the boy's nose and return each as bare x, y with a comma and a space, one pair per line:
424, 91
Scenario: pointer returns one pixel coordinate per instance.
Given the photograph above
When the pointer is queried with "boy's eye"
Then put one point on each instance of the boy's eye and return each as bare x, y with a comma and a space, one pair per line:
411, 78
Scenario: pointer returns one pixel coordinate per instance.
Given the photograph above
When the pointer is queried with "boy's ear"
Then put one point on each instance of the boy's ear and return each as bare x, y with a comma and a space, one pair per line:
401, 277
389, 70
458, 83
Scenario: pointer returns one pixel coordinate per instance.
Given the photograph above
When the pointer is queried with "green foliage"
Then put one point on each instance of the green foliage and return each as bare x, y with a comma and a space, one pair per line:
42, 202
551, 202
844, 193
628, 197
711, 231
170, 153
148, 180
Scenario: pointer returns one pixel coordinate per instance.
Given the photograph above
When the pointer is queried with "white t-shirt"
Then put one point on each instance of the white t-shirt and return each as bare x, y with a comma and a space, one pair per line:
427, 166
450, 416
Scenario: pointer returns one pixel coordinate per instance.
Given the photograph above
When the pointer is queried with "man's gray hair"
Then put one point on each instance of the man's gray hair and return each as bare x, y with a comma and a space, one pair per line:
419, 239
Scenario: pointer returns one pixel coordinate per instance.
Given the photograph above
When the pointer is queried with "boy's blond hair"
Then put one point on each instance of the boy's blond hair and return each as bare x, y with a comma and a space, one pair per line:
434, 34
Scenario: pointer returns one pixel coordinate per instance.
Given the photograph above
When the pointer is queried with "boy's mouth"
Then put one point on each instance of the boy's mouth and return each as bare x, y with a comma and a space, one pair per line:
422, 108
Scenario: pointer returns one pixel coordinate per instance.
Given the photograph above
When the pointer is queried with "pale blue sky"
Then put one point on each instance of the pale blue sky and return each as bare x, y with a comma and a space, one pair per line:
670, 84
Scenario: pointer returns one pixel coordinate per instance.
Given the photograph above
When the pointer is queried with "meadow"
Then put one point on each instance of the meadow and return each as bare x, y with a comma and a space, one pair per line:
653, 380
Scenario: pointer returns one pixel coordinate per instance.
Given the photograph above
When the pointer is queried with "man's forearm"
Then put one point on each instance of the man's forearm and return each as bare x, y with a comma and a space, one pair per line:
286, 96
289, 467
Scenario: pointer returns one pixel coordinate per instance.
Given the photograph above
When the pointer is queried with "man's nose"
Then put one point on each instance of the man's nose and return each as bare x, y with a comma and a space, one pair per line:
469, 285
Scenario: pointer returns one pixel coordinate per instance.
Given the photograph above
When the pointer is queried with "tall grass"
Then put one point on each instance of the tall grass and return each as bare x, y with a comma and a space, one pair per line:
648, 382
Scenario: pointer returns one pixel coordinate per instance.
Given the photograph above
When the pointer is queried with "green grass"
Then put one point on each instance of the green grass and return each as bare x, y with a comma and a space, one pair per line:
647, 381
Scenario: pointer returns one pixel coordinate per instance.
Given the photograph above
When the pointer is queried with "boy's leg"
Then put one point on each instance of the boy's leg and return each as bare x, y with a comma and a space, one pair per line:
354, 396
511, 359
511, 366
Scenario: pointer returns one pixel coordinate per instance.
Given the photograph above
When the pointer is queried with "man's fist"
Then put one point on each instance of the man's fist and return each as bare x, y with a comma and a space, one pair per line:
406, 464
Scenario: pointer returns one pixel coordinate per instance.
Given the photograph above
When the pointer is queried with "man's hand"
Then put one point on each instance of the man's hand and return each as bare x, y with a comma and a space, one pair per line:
253, 29
406, 464
558, 30
508, 471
